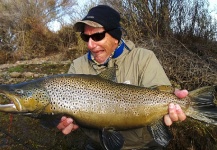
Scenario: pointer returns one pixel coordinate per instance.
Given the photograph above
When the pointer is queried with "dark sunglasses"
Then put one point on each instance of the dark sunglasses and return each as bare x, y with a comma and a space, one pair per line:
96, 36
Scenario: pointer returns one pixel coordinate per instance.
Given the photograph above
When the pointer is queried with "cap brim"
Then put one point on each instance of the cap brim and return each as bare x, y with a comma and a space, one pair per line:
79, 26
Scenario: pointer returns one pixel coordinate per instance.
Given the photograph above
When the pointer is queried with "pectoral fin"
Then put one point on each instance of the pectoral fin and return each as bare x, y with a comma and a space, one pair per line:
111, 140
160, 132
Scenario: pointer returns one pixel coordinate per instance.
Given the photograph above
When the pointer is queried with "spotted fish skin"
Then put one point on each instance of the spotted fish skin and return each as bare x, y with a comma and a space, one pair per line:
95, 102
99, 103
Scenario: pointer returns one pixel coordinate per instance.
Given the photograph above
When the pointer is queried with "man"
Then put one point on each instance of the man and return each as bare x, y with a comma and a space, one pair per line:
137, 66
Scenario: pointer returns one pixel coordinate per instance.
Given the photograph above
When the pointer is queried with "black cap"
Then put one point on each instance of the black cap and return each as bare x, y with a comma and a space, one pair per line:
102, 16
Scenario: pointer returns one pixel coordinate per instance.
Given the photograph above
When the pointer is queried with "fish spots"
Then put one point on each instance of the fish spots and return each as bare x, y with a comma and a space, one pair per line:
53, 108
135, 113
79, 94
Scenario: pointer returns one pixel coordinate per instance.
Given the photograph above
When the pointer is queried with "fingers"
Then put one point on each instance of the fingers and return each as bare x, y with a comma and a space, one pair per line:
175, 111
64, 123
181, 93
180, 114
172, 112
167, 120
68, 129
67, 125
175, 114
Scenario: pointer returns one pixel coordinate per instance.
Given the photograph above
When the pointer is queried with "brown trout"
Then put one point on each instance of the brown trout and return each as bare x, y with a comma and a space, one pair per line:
94, 101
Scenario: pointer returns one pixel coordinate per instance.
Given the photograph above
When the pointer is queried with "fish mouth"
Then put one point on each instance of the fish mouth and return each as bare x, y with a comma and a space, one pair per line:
8, 105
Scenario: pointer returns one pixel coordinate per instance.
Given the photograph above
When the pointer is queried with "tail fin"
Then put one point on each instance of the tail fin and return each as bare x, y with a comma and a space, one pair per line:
203, 104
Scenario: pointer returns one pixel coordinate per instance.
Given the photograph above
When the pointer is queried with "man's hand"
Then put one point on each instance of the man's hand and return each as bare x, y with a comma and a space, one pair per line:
175, 111
67, 125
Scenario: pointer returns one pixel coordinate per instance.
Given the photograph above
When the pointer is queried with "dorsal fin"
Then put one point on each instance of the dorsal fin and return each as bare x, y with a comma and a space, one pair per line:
109, 74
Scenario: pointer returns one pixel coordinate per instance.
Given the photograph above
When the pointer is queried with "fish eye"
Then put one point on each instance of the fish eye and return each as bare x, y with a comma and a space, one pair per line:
19, 91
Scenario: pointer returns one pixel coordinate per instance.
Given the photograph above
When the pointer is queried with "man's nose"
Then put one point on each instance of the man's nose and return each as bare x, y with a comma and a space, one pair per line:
91, 43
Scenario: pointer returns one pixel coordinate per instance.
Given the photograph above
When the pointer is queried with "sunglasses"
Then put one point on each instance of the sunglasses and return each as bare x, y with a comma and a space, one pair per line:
96, 36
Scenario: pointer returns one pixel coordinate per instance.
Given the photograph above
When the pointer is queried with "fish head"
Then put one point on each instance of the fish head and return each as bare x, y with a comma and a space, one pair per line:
24, 97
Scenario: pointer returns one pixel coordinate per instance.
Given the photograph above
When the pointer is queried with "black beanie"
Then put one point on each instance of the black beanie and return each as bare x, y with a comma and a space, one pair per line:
102, 16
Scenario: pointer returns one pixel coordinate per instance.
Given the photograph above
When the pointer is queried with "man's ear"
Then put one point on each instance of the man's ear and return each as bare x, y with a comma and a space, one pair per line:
116, 41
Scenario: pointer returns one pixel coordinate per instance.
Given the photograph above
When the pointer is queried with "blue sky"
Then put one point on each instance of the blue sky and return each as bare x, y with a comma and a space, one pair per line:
213, 5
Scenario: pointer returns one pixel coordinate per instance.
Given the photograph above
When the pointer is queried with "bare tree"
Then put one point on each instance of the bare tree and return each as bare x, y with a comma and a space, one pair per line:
21, 19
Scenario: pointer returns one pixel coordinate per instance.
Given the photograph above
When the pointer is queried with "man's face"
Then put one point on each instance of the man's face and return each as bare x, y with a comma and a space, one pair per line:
101, 50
